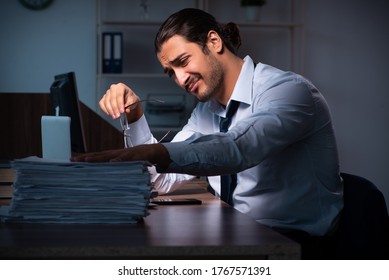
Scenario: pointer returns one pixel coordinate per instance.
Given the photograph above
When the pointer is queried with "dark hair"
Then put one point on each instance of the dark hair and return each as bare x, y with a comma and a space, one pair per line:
194, 25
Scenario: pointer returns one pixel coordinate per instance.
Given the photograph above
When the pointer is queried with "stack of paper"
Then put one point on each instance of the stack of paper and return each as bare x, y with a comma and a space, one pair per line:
69, 192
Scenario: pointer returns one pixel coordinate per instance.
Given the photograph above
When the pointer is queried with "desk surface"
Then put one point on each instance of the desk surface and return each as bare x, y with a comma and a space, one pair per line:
210, 230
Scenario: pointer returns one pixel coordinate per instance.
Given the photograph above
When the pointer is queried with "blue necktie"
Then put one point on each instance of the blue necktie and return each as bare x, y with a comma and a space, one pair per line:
228, 182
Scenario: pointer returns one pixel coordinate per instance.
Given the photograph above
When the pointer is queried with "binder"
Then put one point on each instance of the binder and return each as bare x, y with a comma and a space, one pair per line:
117, 53
107, 53
112, 52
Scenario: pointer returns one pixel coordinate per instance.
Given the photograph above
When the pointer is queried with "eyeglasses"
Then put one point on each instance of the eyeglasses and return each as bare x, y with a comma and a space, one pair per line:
126, 127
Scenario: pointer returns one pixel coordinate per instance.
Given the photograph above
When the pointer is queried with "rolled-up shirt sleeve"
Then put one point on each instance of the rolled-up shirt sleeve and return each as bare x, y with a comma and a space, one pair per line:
139, 133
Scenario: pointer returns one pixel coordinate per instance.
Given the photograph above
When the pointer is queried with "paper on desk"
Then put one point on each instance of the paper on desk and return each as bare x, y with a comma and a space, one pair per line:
46, 191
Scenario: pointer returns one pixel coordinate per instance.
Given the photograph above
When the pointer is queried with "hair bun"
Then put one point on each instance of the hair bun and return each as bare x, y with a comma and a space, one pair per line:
231, 33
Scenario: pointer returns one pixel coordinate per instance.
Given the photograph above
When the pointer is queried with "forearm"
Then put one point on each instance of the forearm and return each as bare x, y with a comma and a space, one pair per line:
156, 154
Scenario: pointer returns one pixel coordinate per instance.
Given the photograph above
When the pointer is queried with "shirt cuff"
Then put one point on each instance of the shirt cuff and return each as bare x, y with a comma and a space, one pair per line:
175, 150
183, 159
139, 132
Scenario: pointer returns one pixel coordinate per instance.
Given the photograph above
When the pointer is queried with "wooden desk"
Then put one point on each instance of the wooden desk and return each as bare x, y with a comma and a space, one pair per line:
212, 230
7, 176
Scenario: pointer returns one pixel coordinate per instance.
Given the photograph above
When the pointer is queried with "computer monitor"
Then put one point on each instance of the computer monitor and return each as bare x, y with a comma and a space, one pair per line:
65, 102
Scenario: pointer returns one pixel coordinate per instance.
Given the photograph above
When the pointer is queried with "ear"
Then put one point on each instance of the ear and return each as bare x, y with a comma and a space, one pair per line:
214, 42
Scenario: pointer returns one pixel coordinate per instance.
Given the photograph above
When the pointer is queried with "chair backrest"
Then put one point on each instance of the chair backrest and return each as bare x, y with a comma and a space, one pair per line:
363, 231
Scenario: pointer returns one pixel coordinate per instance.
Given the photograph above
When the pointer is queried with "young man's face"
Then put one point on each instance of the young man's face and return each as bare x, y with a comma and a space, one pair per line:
198, 73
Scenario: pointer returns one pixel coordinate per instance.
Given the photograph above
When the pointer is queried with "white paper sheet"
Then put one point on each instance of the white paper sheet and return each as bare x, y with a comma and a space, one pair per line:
47, 191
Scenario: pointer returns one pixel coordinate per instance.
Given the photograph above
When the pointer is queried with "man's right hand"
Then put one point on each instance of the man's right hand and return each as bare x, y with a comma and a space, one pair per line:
116, 98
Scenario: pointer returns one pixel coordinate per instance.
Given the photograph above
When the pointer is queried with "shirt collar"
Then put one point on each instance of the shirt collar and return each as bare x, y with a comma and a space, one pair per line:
243, 88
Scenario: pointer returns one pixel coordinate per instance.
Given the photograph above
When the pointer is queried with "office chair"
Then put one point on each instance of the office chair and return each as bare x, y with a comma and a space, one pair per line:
363, 231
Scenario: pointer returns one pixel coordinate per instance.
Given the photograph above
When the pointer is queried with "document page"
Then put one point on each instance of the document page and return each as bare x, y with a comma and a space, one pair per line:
47, 191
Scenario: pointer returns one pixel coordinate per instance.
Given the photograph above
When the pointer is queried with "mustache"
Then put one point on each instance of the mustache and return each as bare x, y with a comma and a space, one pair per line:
191, 80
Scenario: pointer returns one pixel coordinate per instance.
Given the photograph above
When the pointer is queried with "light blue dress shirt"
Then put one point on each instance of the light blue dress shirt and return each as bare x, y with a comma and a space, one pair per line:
281, 142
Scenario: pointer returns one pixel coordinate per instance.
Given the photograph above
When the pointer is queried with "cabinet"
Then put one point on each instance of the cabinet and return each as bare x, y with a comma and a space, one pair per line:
276, 39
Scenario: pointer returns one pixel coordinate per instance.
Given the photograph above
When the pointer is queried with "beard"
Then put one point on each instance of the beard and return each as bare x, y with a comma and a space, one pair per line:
213, 80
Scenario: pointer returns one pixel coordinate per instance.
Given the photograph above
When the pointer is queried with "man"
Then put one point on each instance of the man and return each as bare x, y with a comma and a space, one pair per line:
279, 154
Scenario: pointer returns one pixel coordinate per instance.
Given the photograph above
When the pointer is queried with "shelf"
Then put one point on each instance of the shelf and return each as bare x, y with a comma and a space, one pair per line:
239, 23
267, 25
133, 75
131, 22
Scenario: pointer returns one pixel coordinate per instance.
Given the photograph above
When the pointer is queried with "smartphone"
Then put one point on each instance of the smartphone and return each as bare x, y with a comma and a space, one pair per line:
178, 201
